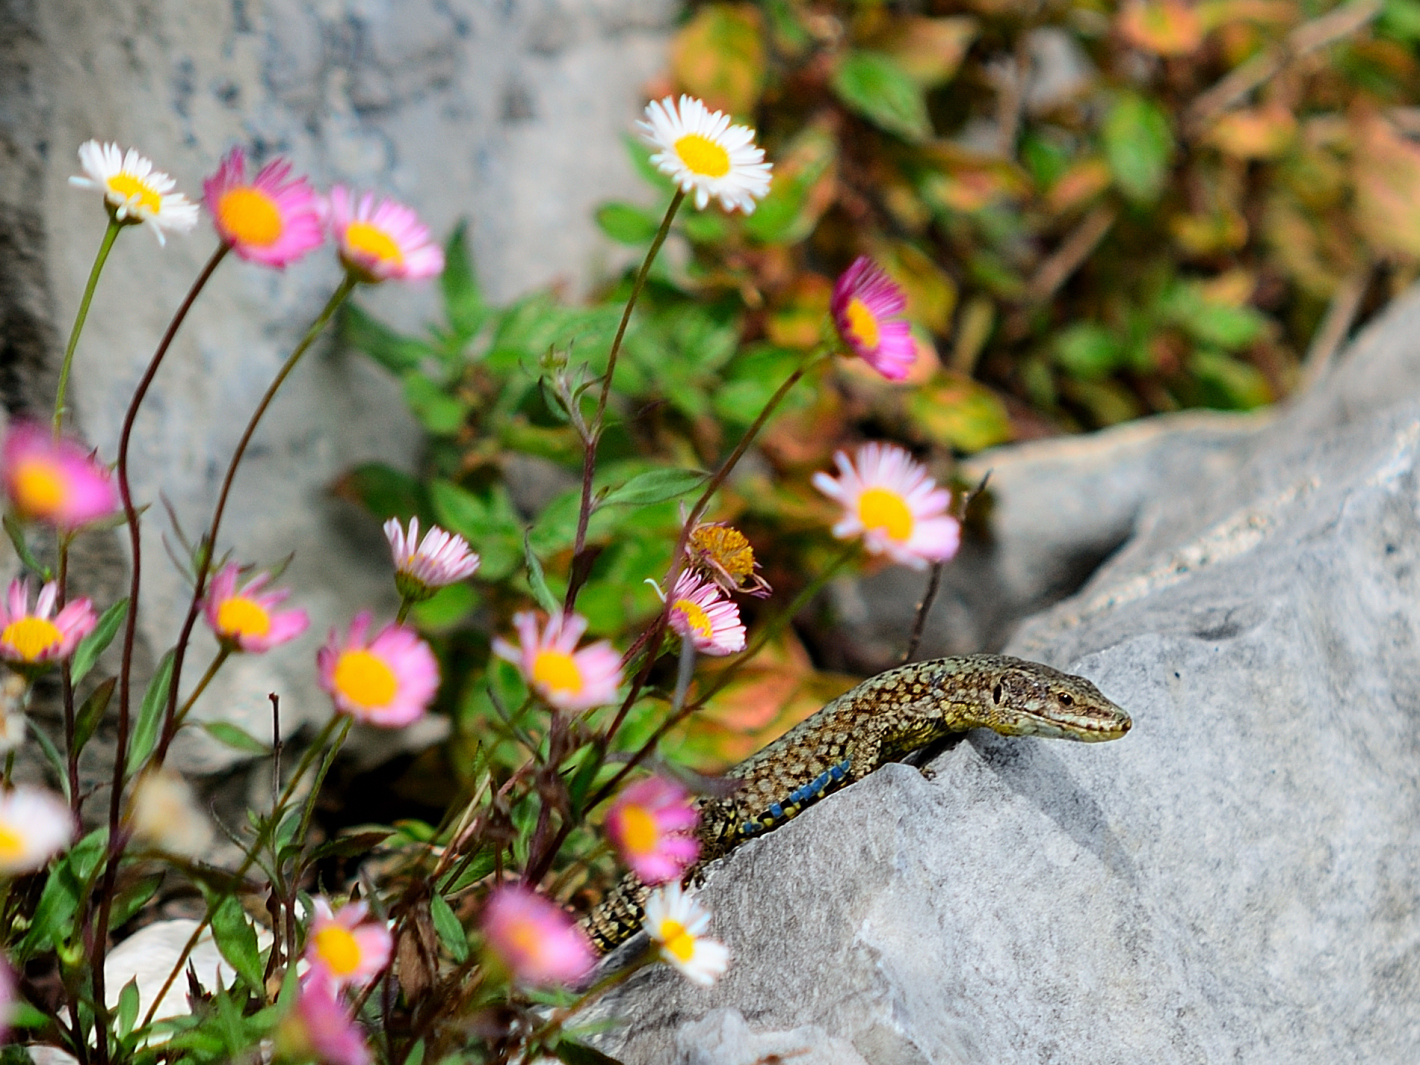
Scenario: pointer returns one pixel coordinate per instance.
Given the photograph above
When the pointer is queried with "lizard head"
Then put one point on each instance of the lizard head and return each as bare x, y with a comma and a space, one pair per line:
1035, 700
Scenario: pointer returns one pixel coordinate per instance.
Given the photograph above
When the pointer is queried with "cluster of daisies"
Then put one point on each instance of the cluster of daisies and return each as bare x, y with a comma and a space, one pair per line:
386, 675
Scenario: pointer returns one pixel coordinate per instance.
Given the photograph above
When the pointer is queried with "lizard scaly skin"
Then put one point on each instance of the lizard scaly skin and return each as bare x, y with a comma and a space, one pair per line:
882, 720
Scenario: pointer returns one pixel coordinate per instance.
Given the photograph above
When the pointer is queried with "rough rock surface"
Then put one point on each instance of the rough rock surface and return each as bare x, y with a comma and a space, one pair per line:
508, 112
1236, 880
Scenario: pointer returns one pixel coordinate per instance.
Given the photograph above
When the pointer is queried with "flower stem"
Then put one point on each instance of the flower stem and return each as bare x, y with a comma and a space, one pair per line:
576, 576
110, 235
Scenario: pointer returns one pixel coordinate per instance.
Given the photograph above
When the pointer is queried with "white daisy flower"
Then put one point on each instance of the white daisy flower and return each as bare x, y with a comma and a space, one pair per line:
133, 190
704, 154
35, 825
166, 814
676, 922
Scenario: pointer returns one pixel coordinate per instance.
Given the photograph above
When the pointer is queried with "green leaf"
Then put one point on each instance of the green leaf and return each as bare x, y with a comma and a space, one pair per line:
16, 529
654, 486
23, 1015
94, 644
626, 224
235, 938
583, 779
394, 352
537, 580
440, 413
478, 867
236, 738
873, 85
574, 1053
127, 1007
53, 920
416, 1054
1087, 351
385, 492
1138, 145
450, 929
133, 898
463, 302
1400, 19
92, 712
1229, 383
51, 752
640, 155
961, 414
150, 715
446, 608
488, 523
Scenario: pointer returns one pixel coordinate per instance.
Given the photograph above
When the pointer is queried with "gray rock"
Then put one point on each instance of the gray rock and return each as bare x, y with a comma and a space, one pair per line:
1236, 880
509, 113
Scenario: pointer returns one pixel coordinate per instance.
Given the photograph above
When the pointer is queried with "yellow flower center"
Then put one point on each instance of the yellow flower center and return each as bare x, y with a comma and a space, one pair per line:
676, 941
726, 547
365, 679
702, 156
337, 948
695, 618
240, 616
524, 938
881, 509
372, 241
38, 487
863, 324
639, 833
557, 672
12, 844
31, 637
128, 186
250, 217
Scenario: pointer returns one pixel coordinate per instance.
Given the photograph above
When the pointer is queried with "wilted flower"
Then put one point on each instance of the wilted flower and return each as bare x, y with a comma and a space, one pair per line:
867, 310
54, 481
650, 824
382, 239
245, 619
343, 947
33, 638
676, 923
321, 1027
711, 622
537, 941
891, 502
387, 681
165, 814
272, 219
724, 555
704, 154
133, 191
35, 825
423, 567
551, 664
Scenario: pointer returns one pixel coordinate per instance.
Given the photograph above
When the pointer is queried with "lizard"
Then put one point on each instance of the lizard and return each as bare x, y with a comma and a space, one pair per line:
884, 719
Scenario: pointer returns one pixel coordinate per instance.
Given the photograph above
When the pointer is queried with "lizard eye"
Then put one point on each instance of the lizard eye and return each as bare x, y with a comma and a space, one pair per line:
996, 694
1066, 699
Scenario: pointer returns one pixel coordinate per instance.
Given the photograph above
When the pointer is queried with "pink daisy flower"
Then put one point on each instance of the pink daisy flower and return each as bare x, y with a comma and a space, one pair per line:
567, 678
711, 621
272, 219
387, 681
382, 239
867, 309
343, 947
31, 639
244, 619
891, 502
650, 825
56, 482
534, 938
321, 1027
420, 568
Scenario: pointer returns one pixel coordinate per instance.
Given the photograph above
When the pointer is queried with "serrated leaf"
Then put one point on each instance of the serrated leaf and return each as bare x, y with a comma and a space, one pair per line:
463, 302
874, 86
451, 931
234, 737
16, 530
150, 715
92, 712
394, 352
1138, 145
537, 580
654, 486
236, 939
94, 644
626, 224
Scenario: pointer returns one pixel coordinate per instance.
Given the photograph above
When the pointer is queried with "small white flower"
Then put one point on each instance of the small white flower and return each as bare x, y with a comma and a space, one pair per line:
35, 825
420, 567
704, 154
166, 814
676, 923
133, 190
